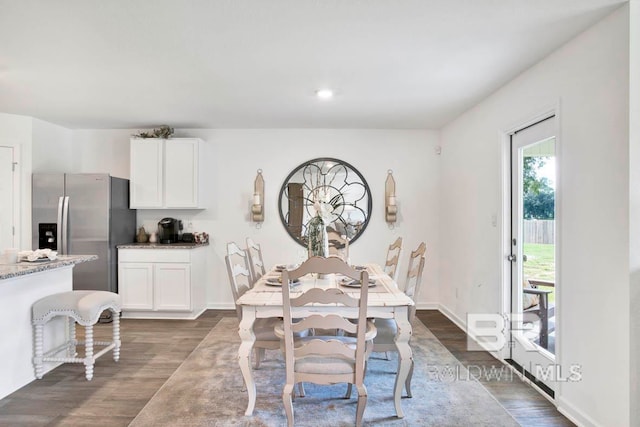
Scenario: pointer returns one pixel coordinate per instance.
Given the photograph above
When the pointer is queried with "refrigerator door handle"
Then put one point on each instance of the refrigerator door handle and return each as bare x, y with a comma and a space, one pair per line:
59, 225
65, 226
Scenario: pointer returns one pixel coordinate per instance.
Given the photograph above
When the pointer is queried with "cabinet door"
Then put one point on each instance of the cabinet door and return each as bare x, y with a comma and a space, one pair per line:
181, 173
172, 287
135, 285
146, 173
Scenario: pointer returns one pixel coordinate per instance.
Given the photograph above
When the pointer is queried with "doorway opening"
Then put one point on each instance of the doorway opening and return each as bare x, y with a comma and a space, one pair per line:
533, 284
9, 188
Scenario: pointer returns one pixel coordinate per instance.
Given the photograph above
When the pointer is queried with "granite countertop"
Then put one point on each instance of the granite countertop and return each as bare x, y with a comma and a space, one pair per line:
178, 245
8, 271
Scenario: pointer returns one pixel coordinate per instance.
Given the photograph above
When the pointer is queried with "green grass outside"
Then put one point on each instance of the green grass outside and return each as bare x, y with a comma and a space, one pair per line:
540, 263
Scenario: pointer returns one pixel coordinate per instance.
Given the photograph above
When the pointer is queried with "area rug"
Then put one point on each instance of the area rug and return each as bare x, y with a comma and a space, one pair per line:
207, 390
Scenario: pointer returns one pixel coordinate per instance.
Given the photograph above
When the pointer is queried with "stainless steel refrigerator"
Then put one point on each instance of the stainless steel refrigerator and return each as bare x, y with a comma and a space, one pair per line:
84, 214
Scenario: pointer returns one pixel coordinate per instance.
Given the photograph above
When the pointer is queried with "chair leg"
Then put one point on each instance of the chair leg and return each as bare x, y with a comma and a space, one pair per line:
288, 403
349, 390
116, 335
38, 350
407, 383
301, 389
362, 402
88, 355
259, 355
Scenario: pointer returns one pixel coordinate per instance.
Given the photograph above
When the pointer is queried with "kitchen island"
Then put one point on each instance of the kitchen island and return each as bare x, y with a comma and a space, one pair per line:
21, 285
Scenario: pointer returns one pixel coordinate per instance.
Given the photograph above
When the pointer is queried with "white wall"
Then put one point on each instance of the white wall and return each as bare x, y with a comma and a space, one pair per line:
588, 79
102, 151
232, 159
17, 131
52, 148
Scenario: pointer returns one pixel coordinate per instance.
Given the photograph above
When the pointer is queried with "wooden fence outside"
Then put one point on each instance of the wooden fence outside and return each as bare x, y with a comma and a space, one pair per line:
539, 231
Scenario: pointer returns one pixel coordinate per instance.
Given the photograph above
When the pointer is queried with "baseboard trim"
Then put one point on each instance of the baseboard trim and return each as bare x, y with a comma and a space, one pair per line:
224, 306
428, 306
452, 316
575, 415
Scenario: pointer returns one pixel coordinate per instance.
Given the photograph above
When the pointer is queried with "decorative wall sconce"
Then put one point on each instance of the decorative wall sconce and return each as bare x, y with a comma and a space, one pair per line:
391, 208
257, 208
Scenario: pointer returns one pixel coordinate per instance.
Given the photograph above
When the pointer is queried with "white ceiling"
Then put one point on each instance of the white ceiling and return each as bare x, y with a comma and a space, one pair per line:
257, 63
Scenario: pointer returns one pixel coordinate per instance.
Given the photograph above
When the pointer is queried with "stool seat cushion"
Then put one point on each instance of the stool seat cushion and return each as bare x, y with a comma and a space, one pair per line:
84, 306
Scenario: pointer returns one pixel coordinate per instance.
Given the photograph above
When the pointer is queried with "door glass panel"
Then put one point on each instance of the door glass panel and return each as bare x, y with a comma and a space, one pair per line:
538, 243
533, 251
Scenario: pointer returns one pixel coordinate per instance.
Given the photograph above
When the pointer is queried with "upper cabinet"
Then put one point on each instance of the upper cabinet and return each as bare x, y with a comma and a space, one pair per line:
165, 173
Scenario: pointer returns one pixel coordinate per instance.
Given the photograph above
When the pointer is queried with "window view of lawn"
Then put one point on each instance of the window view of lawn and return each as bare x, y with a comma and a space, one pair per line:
540, 263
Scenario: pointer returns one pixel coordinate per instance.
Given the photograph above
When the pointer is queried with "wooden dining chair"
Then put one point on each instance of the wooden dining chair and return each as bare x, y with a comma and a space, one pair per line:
393, 259
325, 359
238, 269
387, 328
256, 263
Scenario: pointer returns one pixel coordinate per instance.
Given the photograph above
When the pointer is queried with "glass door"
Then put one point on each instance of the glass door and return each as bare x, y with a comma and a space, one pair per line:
533, 251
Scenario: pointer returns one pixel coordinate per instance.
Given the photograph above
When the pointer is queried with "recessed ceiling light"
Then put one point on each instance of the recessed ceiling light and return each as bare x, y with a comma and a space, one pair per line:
324, 93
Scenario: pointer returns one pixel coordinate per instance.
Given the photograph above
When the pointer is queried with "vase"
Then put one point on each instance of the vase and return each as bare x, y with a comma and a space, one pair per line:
142, 236
317, 237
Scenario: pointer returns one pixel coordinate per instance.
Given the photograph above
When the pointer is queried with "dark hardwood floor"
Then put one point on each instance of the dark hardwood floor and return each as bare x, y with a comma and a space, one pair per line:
153, 349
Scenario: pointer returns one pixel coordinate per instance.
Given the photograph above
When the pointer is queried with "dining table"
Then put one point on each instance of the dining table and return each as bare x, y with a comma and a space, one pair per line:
386, 300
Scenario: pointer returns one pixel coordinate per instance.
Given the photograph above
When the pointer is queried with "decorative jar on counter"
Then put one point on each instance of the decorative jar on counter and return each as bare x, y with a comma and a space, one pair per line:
142, 236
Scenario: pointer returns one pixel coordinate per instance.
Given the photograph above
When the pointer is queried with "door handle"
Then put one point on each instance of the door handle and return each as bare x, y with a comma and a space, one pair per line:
511, 258
65, 226
59, 225
524, 258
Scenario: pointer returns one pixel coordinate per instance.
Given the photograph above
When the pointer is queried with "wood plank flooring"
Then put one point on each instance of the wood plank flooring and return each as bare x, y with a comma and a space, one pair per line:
153, 349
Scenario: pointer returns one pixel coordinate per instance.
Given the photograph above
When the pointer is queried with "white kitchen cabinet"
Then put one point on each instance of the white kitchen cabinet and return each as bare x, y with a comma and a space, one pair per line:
172, 286
135, 285
162, 283
165, 173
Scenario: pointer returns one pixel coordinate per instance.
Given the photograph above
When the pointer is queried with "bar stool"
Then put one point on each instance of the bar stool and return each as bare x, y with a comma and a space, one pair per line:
83, 307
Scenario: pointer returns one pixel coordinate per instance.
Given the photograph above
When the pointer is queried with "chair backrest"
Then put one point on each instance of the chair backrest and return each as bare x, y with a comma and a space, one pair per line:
332, 347
239, 272
256, 263
338, 245
393, 259
414, 276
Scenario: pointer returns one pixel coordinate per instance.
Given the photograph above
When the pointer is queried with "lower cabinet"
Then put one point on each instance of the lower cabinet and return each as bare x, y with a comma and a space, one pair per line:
161, 283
